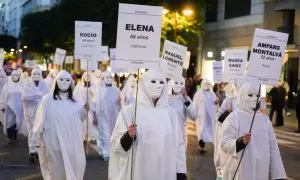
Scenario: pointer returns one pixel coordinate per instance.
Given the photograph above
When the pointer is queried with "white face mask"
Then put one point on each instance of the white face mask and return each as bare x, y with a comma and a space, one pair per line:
64, 84
98, 75
108, 79
15, 76
36, 75
154, 88
251, 97
178, 87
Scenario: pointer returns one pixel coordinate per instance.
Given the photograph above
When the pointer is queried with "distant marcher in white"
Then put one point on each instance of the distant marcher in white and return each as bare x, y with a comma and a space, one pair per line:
205, 101
85, 92
57, 132
3, 81
159, 149
98, 78
11, 105
34, 89
50, 77
181, 102
110, 95
129, 91
262, 157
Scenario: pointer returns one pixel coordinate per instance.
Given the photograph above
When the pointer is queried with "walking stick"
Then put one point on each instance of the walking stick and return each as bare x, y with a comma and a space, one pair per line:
87, 110
256, 109
133, 122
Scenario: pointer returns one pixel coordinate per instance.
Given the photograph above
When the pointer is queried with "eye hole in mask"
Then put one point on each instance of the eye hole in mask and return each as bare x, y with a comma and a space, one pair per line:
181, 83
176, 82
161, 82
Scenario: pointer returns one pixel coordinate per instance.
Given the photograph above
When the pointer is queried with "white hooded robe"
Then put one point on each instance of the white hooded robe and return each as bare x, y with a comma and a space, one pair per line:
58, 134
159, 149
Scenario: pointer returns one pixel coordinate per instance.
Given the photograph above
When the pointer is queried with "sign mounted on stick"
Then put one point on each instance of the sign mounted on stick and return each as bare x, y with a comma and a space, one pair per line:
59, 56
218, 71
114, 67
173, 59
268, 49
69, 60
235, 64
30, 64
138, 36
88, 40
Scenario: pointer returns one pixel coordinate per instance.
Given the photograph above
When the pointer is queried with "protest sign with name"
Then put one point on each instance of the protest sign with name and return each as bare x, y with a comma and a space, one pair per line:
174, 56
88, 40
59, 56
30, 64
268, 49
90, 65
235, 64
218, 71
186, 63
138, 36
1, 57
104, 53
69, 59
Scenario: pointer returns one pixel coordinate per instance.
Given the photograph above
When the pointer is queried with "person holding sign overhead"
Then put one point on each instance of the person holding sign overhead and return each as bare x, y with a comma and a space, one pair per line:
262, 156
206, 104
182, 104
159, 149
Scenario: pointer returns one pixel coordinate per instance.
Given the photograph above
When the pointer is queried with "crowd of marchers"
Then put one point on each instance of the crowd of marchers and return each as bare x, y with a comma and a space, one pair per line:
141, 134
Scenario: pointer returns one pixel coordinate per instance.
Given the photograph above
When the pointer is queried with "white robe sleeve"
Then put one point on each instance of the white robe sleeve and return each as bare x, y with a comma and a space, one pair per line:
229, 135
276, 166
181, 153
39, 122
3, 96
196, 103
191, 110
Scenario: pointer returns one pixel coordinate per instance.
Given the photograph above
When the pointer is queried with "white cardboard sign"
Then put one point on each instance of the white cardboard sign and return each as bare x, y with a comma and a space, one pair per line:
268, 49
88, 40
187, 60
69, 59
104, 53
59, 56
235, 64
30, 64
138, 36
218, 71
173, 57
90, 65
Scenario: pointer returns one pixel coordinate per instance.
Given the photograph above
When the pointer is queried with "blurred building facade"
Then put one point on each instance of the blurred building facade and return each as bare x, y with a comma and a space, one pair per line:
231, 24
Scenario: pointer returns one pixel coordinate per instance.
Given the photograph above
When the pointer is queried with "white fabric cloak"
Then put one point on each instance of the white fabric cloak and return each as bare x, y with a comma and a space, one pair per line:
3, 81
31, 96
159, 149
58, 134
205, 105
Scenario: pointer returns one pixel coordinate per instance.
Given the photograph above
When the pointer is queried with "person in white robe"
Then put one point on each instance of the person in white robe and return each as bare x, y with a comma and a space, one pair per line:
106, 107
262, 156
205, 101
182, 103
57, 132
34, 89
3, 81
50, 77
159, 149
11, 105
85, 92
98, 78
110, 95
129, 91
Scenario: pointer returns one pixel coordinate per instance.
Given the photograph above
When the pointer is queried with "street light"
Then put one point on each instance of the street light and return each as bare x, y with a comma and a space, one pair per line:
187, 12
25, 47
20, 50
12, 50
4, 52
12, 53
